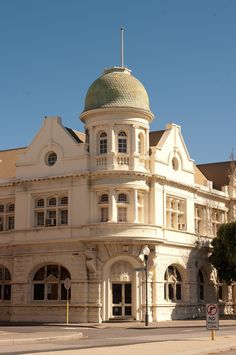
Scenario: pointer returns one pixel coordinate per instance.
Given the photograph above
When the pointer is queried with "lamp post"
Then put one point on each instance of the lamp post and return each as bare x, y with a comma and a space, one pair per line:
146, 252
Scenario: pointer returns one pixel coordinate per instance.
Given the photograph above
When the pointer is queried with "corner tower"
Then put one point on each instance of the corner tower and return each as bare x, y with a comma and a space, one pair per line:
117, 118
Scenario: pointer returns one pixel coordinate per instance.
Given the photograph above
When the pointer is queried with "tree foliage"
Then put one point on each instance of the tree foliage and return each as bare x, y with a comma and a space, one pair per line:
223, 256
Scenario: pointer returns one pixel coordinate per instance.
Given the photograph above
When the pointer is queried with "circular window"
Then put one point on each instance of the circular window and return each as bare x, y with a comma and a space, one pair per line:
51, 158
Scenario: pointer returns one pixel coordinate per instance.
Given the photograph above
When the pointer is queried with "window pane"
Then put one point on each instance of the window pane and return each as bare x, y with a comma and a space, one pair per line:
122, 214
64, 200
104, 214
64, 217
128, 293
116, 293
40, 274
52, 291
64, 273
122, 145
104, 198
64, 293
53, 270
122, 198
171, 292
7, 292
40, 219
11, 222
52, 202
7, 274
178, 291
38, 291
40, 202
1, 208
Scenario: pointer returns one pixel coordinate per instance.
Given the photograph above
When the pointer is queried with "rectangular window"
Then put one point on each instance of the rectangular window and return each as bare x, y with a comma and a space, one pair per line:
104, 214
175, 213
103, 146
200, 219
122, 214
10, 222
217, 219
51, 211
64, 216
39, 218
122, 145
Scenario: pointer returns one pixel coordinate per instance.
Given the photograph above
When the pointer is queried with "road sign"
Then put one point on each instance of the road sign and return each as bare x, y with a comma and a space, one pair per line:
67, 283
212, 316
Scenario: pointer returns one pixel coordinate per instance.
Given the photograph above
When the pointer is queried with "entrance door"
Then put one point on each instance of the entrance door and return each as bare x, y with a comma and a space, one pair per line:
122, 300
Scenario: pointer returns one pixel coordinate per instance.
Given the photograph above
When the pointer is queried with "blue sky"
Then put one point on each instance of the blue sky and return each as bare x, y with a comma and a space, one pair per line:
183, 51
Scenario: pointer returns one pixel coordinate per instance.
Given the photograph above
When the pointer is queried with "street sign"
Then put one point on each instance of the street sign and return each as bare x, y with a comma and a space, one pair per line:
212, 316
140, 269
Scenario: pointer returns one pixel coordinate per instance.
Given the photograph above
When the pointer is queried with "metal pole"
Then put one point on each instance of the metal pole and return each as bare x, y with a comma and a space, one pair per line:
122, 47
146, 271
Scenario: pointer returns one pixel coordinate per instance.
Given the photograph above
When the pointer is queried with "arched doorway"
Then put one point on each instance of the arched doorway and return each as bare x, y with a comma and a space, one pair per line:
122, 293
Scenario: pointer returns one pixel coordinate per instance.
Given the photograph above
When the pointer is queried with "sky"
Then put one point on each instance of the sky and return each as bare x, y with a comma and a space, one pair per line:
183, 51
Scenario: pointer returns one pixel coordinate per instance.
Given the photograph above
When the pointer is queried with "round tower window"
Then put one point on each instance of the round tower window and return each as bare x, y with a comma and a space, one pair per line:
51, 158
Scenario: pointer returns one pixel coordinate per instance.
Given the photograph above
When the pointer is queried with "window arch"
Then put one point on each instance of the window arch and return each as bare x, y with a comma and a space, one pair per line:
173, 284
200, 286
122, 142
103, 143
49, 283
5, 284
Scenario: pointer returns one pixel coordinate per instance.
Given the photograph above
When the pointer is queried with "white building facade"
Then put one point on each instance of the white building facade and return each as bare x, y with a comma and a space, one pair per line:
83, 206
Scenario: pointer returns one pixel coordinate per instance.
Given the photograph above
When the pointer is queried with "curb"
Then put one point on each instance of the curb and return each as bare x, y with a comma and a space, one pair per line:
15, 341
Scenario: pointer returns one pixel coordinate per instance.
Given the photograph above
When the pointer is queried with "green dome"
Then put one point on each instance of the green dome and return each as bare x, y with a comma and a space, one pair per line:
116, 88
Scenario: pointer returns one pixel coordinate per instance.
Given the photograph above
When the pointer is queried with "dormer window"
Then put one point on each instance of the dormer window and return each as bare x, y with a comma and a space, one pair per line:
103, 143
122, 142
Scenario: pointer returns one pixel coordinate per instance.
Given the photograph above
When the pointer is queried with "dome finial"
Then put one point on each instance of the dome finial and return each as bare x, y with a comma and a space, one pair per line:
122, 47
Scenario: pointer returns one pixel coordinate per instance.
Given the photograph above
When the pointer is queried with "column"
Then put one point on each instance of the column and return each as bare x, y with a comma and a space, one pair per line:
112, 213
135, 206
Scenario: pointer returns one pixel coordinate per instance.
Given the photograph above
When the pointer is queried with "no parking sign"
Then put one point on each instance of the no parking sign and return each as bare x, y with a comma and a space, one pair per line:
212, 316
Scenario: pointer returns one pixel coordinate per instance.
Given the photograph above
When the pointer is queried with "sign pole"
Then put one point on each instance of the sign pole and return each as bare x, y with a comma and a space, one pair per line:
67, 285
212, 335
67, 306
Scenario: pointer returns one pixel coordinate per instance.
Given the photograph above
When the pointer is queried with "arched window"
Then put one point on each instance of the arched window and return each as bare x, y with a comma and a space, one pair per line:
104, 198
64, 200
5, 284
200, 285
122, 198
52, 201
103, 143
122, 142
173, 284
48, 283
40, 202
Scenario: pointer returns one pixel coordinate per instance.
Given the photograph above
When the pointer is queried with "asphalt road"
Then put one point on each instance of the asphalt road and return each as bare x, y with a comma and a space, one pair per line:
105, 337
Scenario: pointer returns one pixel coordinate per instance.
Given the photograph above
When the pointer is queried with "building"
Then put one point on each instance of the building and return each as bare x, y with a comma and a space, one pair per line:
82, 206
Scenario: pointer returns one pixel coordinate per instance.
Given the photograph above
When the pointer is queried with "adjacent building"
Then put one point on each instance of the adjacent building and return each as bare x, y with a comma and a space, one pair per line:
82, 206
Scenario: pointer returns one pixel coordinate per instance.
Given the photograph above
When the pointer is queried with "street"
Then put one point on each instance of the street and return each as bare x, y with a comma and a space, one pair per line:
112, 336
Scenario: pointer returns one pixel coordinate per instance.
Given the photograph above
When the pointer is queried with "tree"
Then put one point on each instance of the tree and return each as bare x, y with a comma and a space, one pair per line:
223, 256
